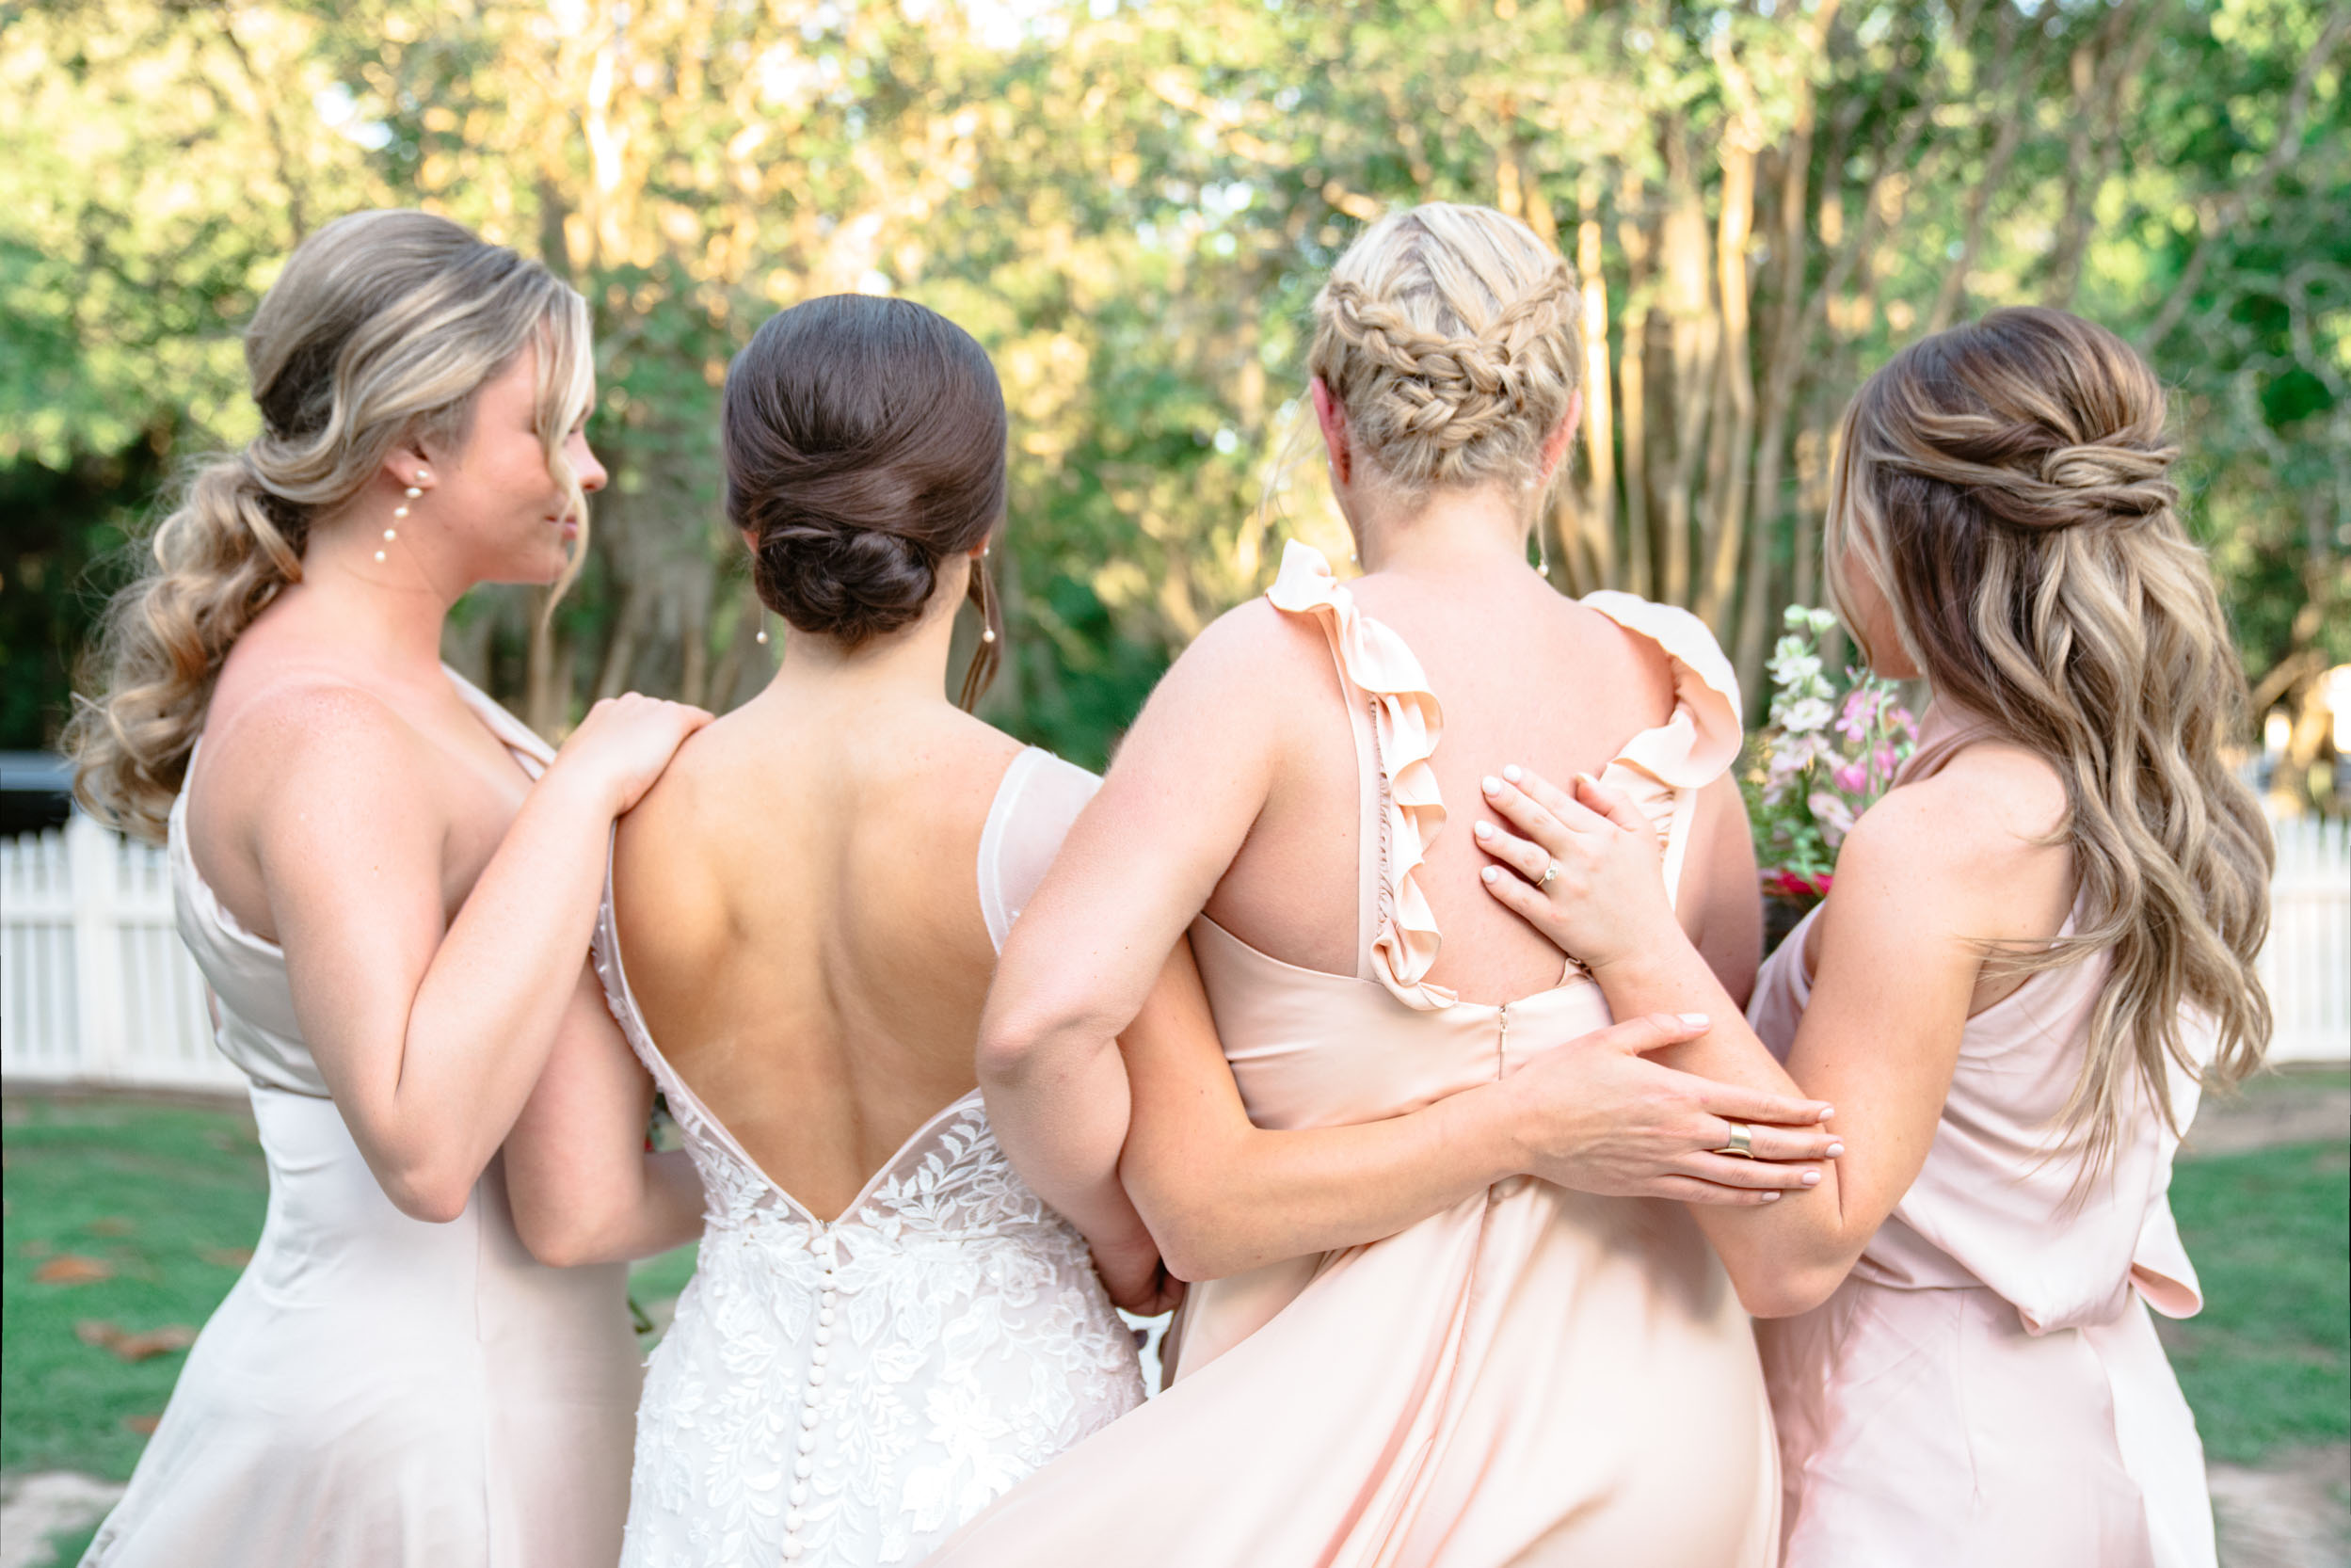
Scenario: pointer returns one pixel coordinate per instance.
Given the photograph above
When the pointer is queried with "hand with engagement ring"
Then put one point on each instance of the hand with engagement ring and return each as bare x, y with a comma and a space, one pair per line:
1583, 868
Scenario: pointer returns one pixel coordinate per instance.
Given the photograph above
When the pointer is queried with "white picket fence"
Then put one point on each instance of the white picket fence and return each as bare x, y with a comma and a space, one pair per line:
96, 989
2306, 965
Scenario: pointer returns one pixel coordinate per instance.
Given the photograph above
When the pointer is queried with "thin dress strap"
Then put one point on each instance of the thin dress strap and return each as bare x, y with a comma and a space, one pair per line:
1397, 722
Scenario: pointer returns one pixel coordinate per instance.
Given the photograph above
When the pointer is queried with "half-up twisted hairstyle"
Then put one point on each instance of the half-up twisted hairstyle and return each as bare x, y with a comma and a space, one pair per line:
377, 334
2005, 484
865, 447
1450, 335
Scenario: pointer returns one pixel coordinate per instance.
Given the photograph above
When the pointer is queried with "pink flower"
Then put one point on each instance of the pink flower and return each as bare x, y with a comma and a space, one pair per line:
1861, 711
1794, 884
1852, 778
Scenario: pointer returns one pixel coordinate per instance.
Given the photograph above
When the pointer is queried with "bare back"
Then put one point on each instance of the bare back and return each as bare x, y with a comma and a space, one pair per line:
1523, 676
799, 912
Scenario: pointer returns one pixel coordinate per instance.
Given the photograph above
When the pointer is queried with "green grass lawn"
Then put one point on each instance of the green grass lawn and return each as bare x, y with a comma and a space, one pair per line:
165, 1197
2267, 1363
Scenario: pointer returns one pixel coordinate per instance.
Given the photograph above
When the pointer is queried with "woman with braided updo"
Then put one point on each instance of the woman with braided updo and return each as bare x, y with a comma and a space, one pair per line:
1440, 1313
2040, 944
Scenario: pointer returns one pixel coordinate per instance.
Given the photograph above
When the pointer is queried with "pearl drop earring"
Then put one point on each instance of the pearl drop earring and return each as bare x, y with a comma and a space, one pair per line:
401, 511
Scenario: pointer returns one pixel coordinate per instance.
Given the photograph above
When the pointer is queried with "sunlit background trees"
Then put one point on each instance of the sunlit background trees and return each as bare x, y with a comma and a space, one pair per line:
1130, 205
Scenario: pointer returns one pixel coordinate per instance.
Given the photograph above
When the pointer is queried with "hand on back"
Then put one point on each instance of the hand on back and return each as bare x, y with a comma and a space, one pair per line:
623, 745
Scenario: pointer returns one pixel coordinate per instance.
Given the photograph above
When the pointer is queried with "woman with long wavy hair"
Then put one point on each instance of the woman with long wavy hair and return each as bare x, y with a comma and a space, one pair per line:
2038, 946
389, 886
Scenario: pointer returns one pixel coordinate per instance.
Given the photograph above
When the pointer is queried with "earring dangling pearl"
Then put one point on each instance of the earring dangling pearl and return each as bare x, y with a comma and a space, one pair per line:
761, 638
987, 633
391, 534
379, 556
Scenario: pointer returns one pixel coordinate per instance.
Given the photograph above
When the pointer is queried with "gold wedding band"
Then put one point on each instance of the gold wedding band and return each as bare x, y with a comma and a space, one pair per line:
1742, 1144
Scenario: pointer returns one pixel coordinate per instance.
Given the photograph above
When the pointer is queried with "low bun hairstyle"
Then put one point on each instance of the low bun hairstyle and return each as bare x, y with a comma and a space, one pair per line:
379, 332
2005, 486
865, 448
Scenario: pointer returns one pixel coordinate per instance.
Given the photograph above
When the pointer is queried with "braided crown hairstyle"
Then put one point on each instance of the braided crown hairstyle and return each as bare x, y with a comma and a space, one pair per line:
2005, 484
379, 331
1450, 335
865, 447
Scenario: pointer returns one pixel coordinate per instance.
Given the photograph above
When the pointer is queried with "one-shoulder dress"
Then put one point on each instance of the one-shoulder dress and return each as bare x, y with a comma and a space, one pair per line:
1532, 1376
1986, 1387
843, 1393
376, 1391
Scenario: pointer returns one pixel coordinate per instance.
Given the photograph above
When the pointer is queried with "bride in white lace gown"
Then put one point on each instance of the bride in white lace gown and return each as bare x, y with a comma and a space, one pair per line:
886, 1328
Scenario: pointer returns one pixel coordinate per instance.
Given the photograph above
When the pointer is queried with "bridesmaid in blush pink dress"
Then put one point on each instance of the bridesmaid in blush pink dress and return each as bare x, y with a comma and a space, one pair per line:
2038, 947
1441, 1316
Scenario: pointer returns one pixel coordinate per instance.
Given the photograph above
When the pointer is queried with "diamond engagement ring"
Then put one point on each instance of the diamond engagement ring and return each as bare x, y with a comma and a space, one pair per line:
1550, 870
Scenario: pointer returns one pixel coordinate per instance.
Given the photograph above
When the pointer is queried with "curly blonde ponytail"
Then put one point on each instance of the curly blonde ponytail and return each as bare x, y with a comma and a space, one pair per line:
379, 332
1450, 335
2005, 484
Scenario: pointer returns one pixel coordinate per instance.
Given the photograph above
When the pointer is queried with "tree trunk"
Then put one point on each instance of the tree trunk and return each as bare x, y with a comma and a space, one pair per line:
1599, 424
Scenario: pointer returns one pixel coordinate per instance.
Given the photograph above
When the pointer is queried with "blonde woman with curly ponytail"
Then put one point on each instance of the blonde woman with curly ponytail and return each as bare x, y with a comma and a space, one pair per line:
2038, 947
1260, 1031
389, 885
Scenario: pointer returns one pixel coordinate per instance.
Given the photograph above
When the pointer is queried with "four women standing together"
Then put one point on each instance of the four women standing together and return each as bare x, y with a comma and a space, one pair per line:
1447, 1129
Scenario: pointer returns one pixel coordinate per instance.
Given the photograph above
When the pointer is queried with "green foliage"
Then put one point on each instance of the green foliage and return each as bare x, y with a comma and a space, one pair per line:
1131, 204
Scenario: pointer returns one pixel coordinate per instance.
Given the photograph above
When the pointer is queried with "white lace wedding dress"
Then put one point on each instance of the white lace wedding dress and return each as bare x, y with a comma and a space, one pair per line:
848, 1393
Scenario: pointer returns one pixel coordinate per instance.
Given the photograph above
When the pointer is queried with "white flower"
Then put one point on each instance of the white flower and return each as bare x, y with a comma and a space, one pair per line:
1831, 816
1808, 716
1821, 620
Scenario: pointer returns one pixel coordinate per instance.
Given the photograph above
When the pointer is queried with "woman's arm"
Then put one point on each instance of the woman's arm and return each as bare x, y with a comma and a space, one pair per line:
430, 1035
584, 1187
1137, 866
1222, 1196
1094, 943
1922, 880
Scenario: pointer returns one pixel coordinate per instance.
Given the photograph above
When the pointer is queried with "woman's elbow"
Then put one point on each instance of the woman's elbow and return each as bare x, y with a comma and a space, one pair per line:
1016, 1039
1786, 1291
437, 1198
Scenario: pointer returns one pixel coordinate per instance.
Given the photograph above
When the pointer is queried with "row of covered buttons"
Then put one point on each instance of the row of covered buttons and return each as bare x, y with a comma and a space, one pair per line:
820, 1358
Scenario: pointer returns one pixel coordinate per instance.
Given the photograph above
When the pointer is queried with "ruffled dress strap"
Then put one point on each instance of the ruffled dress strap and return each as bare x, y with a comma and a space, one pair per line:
1663, 769
1405, 721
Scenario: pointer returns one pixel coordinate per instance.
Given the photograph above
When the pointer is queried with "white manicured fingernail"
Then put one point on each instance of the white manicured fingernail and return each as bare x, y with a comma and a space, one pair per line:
1835, 1149
1493, 785
1512, 772
1483, 830
1772, 1197
1812, 1178
1492, 875
1695, 1020
1827, 1112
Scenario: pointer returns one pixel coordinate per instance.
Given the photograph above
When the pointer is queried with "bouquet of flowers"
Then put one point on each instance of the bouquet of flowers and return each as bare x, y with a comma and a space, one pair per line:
1821, 759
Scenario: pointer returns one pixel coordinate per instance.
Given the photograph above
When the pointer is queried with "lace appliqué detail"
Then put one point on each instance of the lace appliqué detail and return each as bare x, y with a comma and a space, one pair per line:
850, 1393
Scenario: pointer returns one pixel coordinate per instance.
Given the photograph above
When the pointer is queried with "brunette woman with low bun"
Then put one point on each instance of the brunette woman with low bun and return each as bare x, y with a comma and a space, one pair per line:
886, 1328
389, 885
2039, 947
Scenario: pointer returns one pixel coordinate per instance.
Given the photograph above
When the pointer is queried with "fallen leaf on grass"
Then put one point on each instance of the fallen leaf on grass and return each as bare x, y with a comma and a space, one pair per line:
144, 1425
72, 1269
102, 1335
226, 1258
110, 1224
37, 1247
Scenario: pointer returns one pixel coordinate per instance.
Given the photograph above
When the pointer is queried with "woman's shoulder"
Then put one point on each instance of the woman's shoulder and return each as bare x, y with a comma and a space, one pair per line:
1987, 826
